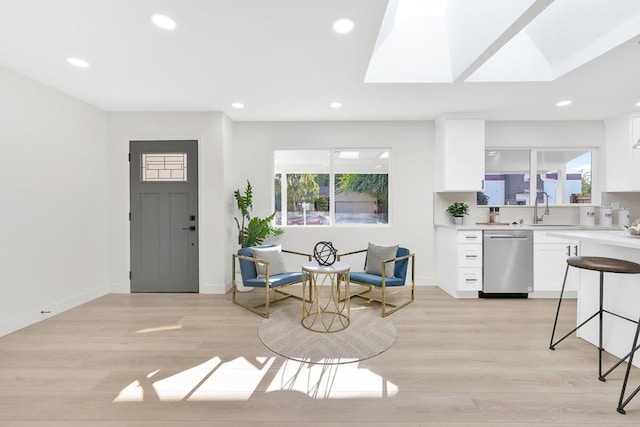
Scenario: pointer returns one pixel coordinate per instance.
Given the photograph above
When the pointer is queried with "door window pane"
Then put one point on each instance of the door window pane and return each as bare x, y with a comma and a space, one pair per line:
164, 167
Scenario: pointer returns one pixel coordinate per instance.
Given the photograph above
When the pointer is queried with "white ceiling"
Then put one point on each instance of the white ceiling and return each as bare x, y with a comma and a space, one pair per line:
282, 60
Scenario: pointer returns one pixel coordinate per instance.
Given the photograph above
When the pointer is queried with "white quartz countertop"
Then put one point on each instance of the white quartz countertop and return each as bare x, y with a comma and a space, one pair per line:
546, 227
620, 238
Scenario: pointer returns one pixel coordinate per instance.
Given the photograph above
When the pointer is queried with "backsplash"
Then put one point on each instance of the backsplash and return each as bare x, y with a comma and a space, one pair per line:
629, 200
565, 214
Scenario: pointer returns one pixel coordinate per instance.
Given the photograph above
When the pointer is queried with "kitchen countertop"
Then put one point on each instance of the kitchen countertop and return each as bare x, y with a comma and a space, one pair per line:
621, 291
620, 238
530, 227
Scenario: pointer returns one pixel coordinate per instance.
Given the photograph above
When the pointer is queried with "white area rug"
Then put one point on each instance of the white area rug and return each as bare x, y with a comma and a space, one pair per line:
366, 336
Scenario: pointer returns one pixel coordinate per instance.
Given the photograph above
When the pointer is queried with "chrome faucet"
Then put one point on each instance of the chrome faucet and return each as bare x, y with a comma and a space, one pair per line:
536, 218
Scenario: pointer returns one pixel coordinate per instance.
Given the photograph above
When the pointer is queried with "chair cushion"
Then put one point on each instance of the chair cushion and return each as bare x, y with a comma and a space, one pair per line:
378, 253
273, 255
248, 268
374, 279
274, 280
400, 271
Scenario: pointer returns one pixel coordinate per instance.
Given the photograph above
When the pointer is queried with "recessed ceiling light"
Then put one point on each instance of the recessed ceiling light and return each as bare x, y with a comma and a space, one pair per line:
343, 26
238, 105
163, 21
80, 63
335, 105
492, 153
564, 103
637, 104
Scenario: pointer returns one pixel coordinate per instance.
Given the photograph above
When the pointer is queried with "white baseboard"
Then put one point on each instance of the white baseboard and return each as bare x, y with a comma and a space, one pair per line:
35, 316
553, 294
426, 281
119, 288
215, 288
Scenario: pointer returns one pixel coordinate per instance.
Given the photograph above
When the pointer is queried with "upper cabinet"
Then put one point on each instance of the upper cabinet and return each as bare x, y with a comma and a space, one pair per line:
459, 154
622, 160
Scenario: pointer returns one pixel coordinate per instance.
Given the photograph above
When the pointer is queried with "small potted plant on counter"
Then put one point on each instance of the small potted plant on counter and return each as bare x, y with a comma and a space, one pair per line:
457, 210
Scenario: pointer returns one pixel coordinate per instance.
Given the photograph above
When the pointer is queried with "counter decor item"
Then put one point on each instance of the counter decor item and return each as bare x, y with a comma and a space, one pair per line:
623, 216
457, 211
588, 215
606, 216
634, 228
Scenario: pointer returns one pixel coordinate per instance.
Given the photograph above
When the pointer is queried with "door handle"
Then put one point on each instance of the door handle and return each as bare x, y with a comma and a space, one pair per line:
568, 250
190, 228
575, 250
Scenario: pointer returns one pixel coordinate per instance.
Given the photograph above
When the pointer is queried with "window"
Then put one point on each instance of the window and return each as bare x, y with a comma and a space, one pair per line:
564, 175
165, 167
324, 187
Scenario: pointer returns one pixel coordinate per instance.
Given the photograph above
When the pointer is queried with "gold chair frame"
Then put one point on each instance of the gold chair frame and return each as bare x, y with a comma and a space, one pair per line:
383, 288
267, 287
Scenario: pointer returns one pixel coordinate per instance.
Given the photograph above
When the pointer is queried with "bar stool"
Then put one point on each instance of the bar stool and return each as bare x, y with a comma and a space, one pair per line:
602, 265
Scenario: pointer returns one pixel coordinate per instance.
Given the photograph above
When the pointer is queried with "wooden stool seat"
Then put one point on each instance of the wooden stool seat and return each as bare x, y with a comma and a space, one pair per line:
607, 265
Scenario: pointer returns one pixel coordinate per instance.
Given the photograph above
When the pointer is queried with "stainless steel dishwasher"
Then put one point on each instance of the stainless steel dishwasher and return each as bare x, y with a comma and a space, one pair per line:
508, 263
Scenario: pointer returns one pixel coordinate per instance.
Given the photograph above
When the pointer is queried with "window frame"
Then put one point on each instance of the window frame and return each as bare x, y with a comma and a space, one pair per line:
533, 171
332, 188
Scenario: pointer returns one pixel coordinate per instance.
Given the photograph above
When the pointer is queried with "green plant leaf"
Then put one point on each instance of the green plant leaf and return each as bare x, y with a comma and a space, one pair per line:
252, 231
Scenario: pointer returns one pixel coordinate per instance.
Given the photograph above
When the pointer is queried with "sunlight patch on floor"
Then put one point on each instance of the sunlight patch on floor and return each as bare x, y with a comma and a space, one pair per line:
238, 379
320, 381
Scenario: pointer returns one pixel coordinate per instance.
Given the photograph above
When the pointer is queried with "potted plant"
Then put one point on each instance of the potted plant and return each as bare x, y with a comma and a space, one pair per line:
252, 231
457, 210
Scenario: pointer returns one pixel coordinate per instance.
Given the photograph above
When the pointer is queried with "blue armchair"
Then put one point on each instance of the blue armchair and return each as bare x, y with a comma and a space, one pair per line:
404, 262
263, 267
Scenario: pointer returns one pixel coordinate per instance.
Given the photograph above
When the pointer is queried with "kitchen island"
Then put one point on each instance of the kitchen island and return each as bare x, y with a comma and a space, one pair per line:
621, 291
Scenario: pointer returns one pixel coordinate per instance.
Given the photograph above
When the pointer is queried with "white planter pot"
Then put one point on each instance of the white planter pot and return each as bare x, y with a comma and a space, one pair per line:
239, 286
457, 220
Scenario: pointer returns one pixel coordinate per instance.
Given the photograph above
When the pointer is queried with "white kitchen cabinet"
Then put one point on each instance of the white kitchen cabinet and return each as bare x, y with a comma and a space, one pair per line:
549, 265
459, 153
621, 159
459, 261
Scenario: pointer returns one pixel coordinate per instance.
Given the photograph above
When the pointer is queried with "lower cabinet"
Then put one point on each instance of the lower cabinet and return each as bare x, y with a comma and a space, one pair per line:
469, 279
550, 262
459, 261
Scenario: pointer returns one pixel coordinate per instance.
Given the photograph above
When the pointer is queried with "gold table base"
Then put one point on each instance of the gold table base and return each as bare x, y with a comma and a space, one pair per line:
325, 297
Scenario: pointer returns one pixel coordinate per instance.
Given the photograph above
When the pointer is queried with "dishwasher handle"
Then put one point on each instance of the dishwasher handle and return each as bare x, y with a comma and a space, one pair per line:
506, 236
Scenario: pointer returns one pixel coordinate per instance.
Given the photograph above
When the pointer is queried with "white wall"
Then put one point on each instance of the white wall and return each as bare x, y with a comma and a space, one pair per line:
411, 181
213, 158
53, 171
65, 187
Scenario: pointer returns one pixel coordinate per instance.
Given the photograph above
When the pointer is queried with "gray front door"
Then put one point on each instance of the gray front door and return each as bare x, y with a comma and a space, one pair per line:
164, 221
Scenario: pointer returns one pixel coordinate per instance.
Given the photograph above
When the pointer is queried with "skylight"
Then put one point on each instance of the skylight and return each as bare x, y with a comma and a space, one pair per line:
439, 41
421, 8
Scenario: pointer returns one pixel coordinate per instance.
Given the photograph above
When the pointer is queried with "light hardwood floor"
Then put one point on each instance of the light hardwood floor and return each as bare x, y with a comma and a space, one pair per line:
195, 360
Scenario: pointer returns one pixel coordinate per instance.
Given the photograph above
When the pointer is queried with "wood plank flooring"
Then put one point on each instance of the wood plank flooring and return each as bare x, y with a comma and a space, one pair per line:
147, 360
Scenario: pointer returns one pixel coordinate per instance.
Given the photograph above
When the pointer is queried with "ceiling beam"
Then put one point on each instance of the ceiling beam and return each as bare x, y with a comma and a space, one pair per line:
518, 25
